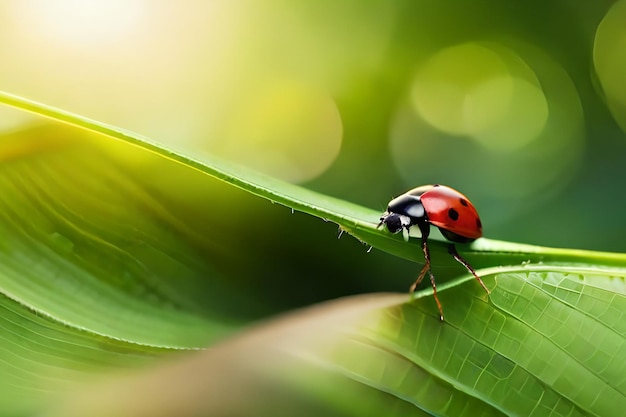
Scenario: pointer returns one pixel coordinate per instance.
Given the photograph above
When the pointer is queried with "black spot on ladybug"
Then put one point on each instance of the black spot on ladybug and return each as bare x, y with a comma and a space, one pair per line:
453, 214
479, 224
463, 202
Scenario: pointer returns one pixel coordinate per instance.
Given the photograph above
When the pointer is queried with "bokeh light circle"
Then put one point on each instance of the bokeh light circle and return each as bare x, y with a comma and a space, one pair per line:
444, 80
505, 123
487, 94
509, 133
609, 57
287, 130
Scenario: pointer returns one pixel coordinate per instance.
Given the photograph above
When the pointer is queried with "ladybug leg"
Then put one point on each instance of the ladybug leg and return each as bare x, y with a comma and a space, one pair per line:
432, 283
425, 229
426, 267
452, 251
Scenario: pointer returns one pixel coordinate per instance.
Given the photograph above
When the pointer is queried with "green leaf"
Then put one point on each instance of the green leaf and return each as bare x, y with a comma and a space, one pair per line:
359, 221
101, 271
545, 342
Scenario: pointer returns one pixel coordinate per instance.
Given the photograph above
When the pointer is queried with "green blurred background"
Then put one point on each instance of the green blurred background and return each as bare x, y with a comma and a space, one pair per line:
519, 105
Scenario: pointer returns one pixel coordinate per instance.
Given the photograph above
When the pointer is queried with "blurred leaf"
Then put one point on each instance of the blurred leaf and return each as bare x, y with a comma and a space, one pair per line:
95, 272
75, 223
546, 342
98, 272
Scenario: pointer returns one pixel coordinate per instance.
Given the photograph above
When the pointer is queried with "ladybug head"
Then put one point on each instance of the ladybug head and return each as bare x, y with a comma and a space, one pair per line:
395, 222
392, 221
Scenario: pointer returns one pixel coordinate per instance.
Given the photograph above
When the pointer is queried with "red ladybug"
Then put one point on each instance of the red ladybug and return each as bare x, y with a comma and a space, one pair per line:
441, 206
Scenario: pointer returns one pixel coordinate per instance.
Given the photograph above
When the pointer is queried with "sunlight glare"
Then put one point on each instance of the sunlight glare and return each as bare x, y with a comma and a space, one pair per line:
82, 21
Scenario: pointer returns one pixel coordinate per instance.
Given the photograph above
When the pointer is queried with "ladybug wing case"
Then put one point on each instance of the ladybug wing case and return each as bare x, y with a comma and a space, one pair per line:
452, 212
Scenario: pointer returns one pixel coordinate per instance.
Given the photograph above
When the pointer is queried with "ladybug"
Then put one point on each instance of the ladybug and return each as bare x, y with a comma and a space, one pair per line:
443, 207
